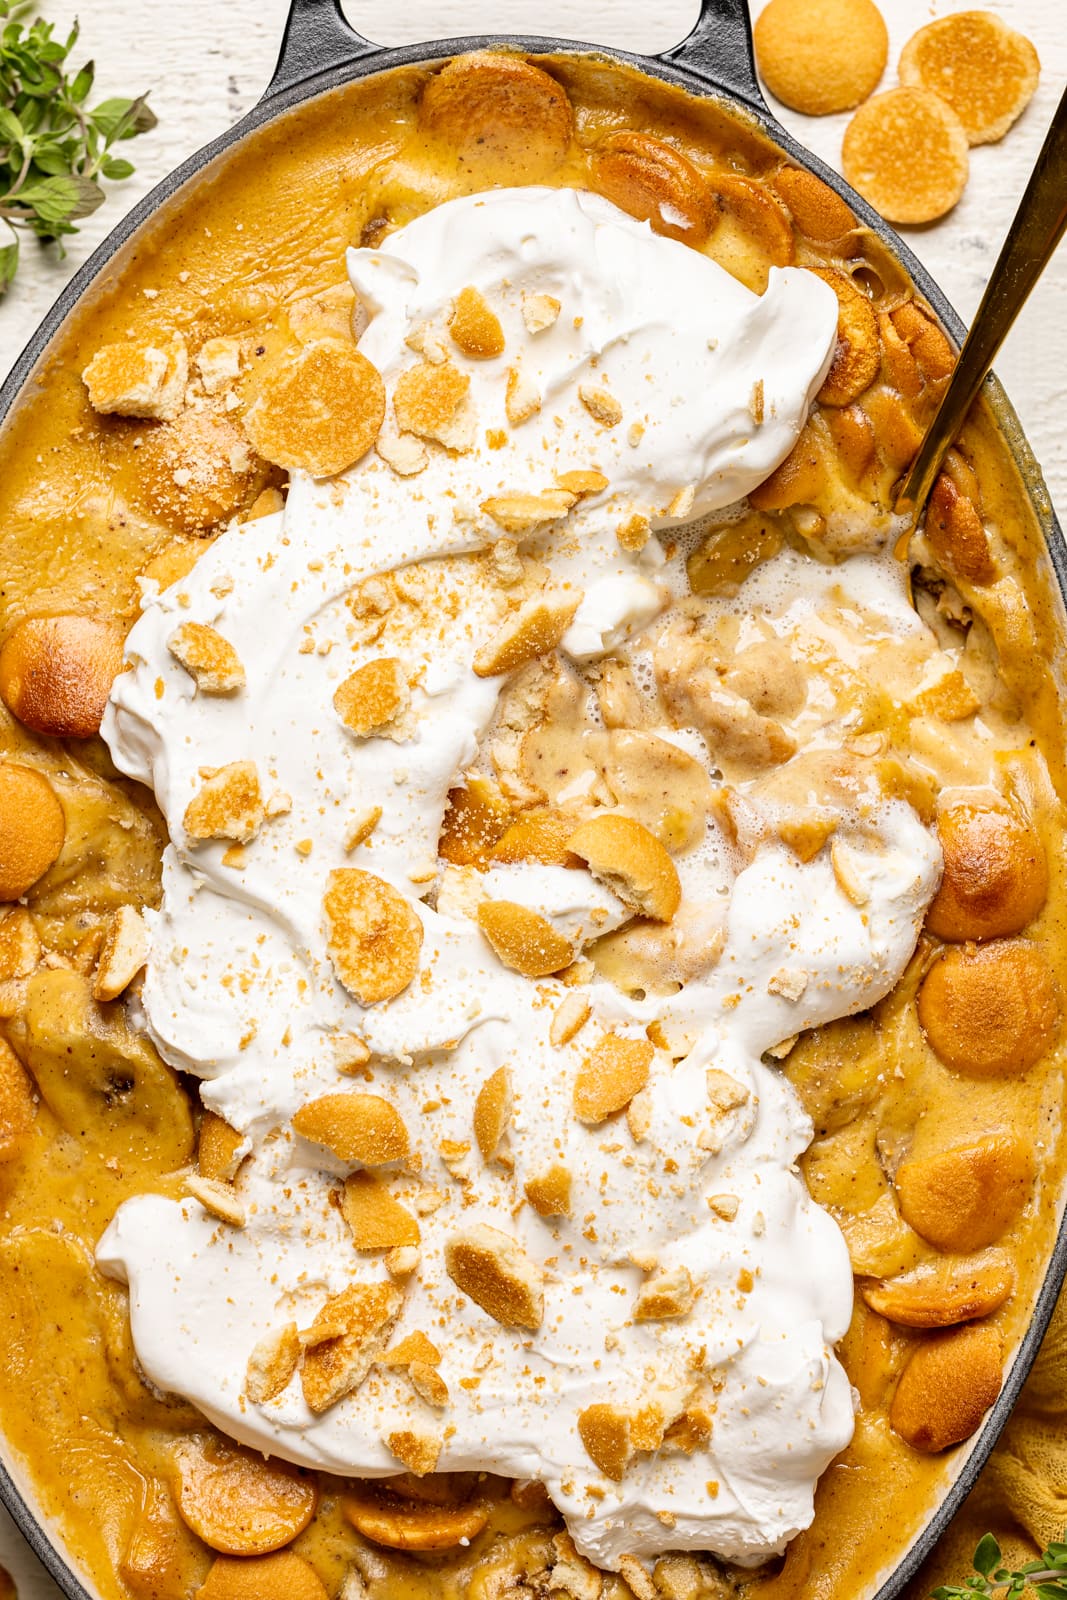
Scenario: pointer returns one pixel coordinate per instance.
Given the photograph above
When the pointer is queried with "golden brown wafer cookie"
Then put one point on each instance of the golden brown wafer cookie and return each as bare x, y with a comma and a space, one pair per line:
320, 411
651, 180
819, 56
985, 70
906, 152
500, 114
32, 828
816, 209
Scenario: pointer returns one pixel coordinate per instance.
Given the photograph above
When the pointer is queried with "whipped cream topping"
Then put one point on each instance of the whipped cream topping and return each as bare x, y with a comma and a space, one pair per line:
240, 991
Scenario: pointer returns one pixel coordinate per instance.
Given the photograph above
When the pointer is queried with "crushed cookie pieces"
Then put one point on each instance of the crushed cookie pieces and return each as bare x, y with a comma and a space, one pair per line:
373, 935
475, 326
209, 659
431, 401
350, 1052
549, 1192
634, 533
430, 1199
522, 398
403, 452
492, 1113
376, 1220
522, 939
806, 832
415, 1346
418, 1451
615, 1070
581, 481
569, 1018
605, 1432
539, 311
950, 699
523, 511
639, 1116
401, 1260
362, 827
228, 805
682, 503
456, 1158
789, 982
847, 872
428, 1384
667, 1295
273, 1362
343, 1341
601, 405
139, 380
426, 339
218, 361
635, 1574
218, 1198
372, 699
631, 862
356, 1127
533, 629
494, 1271
122, 954
725, 1094
506, 563
691, 1429
219, 1150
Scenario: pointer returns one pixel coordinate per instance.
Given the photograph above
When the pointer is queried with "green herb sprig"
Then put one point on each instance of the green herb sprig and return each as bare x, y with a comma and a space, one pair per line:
54, 150
1045, 1578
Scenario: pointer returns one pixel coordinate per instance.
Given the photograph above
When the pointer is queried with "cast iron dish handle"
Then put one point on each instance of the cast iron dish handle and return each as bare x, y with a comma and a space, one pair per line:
317, 38
720, 49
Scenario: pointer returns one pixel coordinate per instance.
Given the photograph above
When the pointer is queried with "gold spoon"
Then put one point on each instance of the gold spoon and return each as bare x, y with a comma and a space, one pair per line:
1033, 236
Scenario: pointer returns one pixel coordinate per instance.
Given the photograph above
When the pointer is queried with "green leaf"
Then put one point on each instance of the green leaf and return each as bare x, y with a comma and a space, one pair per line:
9, 264
51, 150
987, 1555
123, 119
32, 114
57, 200
79, 89
50, 160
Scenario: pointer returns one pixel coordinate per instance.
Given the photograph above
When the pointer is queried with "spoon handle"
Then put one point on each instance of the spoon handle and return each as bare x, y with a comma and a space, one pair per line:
1033, 236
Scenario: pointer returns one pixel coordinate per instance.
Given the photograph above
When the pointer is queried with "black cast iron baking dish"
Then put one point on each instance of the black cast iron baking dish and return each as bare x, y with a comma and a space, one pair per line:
319, 52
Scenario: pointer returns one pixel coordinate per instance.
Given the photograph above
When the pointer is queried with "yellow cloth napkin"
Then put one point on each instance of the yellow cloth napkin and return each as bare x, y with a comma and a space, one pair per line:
1021, 1496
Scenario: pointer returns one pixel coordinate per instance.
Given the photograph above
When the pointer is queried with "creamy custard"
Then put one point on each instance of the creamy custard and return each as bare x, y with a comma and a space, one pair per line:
255, 1012
824, 712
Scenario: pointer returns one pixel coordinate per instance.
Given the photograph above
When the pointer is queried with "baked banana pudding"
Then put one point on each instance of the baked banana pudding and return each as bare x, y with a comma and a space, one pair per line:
531, 975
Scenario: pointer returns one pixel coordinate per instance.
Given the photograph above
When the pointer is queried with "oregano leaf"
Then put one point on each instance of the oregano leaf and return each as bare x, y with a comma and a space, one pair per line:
54, 146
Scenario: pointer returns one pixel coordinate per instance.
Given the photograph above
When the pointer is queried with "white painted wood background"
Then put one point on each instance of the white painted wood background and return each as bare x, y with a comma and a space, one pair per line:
205, 62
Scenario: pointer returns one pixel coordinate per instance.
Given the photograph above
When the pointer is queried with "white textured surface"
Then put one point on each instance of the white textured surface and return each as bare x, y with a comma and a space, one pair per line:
206, 63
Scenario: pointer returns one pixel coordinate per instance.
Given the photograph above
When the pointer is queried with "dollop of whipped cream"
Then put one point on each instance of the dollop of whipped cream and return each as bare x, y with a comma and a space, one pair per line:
240, 989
